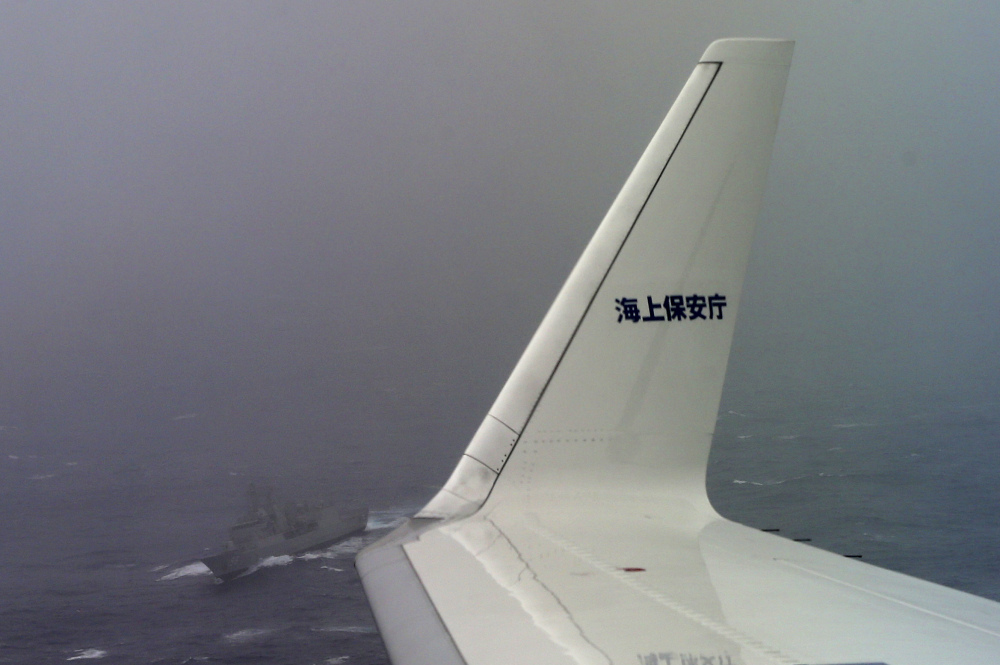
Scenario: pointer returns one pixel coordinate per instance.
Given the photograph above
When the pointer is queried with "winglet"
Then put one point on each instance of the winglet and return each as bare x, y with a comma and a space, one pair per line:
623, 377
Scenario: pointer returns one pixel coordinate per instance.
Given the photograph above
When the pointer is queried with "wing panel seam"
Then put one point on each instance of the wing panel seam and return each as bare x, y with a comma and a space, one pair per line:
887, 597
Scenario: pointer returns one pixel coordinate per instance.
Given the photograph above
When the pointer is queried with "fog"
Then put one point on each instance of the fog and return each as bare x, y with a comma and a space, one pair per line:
296, 238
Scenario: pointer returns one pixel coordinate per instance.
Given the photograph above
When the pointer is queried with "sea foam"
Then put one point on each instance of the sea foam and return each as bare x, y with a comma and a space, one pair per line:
344, 629
88, 654
247, 634
190, 570
271, 561
388, 519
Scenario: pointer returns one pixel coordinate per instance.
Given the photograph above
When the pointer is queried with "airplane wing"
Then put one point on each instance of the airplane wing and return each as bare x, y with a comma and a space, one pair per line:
576, 526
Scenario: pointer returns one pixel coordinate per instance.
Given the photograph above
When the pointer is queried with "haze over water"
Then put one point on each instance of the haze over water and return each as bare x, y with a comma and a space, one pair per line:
308, 242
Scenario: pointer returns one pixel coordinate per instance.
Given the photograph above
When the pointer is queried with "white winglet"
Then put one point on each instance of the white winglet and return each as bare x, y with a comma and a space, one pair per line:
621, 382
576, 528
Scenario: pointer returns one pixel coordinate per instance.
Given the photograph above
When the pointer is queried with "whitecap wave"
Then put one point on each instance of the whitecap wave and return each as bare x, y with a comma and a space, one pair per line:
44, 476
88, 654
191, 570
247, 634
269, 562
312, 556
852, 425
279, 560
345, 629
780, 481
350, 546
347, 547
336, 660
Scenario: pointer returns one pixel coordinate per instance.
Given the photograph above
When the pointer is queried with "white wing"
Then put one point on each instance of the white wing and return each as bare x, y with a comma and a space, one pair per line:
576, 528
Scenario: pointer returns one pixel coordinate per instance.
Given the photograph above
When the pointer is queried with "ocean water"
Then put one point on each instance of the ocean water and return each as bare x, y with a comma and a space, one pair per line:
109, 574
909, 482
102, 568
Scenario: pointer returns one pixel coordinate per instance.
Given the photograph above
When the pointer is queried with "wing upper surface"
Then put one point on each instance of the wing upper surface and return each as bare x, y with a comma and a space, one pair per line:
630, 586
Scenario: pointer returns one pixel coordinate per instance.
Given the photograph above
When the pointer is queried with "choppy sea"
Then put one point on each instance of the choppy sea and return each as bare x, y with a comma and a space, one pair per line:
110, 575
102, 567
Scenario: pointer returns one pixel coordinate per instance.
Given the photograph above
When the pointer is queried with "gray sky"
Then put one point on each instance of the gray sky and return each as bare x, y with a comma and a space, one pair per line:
328, 229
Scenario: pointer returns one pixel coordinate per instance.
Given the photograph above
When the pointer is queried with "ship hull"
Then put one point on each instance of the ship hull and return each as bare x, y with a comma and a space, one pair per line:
332, 526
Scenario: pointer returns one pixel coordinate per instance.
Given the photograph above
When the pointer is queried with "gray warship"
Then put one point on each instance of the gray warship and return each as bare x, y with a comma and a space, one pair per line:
269, 530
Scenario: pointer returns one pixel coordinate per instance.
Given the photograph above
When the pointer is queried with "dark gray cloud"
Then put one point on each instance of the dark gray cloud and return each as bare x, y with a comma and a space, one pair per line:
328, 229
